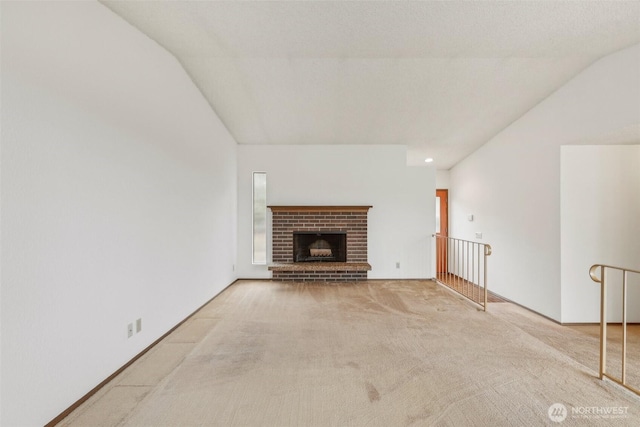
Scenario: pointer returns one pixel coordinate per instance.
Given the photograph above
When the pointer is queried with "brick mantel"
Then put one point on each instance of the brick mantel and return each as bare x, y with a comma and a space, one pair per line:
349, 219
304, 208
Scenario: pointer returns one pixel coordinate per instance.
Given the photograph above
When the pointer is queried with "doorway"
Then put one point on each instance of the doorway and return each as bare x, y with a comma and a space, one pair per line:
442, 229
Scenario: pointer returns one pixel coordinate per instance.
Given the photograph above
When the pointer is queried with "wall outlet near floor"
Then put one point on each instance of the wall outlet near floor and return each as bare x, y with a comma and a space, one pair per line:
138, 325
478, 234
129, 330
397, 265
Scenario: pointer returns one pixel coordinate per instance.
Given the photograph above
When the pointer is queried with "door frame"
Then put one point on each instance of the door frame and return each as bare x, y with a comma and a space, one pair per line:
441, 246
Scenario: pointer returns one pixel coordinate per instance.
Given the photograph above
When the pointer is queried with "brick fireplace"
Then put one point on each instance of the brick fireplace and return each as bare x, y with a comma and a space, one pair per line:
319, 228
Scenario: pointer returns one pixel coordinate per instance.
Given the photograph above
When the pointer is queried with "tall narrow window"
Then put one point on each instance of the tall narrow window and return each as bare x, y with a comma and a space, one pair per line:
259, 218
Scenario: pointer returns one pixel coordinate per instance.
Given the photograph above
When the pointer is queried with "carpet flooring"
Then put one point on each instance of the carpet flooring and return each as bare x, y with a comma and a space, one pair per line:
373, 353
469, 289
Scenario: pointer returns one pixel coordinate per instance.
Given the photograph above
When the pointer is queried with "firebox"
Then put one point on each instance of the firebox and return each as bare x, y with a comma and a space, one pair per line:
325, 246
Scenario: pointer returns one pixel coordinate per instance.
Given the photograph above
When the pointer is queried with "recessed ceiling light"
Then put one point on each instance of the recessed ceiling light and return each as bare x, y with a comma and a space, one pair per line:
428, 160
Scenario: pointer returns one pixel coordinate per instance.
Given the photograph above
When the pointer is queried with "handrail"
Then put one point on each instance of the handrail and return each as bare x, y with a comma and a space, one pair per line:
459, 267
593, 268
603, 321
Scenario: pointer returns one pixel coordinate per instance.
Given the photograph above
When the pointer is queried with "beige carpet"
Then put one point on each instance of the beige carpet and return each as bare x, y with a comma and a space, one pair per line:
468, 289
376, 353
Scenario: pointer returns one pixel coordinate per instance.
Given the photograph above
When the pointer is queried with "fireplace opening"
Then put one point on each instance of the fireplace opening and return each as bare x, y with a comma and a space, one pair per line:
327, 246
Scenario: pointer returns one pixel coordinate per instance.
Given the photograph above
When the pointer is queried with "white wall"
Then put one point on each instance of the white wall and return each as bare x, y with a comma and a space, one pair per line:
118, 201
443, 179
512, 183
600, 208
403, 198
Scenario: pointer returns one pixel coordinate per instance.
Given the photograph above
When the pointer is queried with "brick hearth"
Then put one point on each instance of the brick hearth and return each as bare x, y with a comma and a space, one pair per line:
349, 219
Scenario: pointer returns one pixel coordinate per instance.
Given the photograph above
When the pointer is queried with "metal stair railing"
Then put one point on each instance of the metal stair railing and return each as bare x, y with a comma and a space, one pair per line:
461, 265
622, 380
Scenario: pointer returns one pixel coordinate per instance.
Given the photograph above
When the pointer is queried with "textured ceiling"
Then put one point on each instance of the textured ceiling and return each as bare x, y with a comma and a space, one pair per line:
441, 77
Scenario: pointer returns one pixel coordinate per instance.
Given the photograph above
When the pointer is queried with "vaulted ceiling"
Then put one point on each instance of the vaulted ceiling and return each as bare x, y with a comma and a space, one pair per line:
441, 77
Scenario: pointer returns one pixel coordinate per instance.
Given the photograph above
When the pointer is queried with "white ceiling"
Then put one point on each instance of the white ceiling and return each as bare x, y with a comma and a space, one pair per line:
441, 77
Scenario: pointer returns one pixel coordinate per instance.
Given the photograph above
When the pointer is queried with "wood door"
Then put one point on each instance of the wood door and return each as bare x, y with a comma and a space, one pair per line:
442, 229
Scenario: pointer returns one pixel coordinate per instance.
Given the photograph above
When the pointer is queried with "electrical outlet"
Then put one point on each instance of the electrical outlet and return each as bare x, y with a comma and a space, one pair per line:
129, 330
397, 265
138, 325
478, 234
